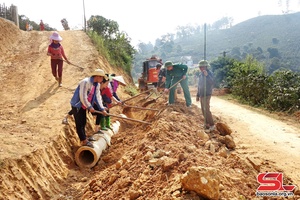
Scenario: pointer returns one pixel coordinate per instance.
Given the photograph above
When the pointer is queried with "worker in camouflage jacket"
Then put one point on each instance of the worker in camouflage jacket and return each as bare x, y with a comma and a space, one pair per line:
174, 74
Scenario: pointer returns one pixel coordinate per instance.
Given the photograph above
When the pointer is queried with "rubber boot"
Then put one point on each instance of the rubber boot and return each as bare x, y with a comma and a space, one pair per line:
107, 122
102, 123
59, 81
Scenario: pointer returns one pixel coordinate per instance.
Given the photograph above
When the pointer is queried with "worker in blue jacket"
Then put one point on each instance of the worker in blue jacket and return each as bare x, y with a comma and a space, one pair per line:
86, 94
176, 73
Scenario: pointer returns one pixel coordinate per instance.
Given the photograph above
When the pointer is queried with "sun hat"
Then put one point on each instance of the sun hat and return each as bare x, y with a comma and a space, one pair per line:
55, 36
203, 63
120, 79
168, 64
98, 72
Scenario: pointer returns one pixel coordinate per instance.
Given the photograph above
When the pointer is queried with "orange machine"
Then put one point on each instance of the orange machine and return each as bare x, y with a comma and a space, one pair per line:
149, 76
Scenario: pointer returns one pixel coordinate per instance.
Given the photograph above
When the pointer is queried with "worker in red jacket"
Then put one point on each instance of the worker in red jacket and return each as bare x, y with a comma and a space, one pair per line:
107, 98
57, 53
42, 26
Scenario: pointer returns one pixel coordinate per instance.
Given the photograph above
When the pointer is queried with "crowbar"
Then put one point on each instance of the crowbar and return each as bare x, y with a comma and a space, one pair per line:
117, 116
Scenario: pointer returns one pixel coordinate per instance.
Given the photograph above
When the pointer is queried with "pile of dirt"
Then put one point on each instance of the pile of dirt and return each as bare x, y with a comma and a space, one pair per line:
148, 162
143, 161
8, 36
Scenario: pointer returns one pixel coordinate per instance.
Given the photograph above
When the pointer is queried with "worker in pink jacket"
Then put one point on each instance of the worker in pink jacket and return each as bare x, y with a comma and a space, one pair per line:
56, 51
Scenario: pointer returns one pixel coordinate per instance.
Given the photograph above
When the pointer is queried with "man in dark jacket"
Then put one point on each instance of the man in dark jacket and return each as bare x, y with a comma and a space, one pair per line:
161, 77
177, 73
205, 86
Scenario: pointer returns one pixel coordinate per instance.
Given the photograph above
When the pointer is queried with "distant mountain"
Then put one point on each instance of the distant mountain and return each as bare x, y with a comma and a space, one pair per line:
272, 39
259, 36
272, 31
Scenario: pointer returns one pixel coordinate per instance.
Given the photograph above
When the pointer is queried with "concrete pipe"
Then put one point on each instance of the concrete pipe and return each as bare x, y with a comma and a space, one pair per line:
87, 157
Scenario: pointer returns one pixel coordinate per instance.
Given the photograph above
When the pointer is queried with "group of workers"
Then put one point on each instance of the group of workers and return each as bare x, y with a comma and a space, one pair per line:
173, 74
97, 92
29, 27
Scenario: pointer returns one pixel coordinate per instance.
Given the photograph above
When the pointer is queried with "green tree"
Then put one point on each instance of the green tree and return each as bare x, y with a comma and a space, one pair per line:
284, 94
178, 49
273, 52
275, 65
222, 71
275, 41
224, 22
22, 24
184, 32
249, 82
117, 44
144, 48
236, 53
105, 27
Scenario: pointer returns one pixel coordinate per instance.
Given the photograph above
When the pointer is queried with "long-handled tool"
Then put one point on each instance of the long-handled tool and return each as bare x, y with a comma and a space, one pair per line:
73, 64
125, 118
149, 95
175, 84
132, 97
162, 93
142, 108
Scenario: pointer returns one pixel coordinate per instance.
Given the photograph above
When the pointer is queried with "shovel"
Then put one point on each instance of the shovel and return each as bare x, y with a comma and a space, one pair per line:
117, 116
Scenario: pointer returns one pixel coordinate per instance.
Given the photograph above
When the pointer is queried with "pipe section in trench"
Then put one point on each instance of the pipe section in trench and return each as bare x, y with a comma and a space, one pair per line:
87, 157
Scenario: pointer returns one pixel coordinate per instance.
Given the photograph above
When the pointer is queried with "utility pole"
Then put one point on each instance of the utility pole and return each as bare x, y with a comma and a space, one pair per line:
84, 17
205, 41
204, 97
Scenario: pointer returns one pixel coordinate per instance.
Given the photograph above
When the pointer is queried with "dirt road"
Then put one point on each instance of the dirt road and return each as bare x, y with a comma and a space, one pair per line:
263, 137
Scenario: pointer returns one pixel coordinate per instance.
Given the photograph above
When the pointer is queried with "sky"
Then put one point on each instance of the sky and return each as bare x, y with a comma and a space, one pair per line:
145, 20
